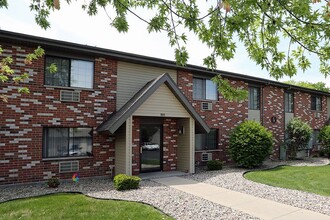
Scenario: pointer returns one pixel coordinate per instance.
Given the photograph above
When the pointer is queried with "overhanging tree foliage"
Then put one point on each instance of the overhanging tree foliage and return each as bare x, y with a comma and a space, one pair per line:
279, 35
7, 74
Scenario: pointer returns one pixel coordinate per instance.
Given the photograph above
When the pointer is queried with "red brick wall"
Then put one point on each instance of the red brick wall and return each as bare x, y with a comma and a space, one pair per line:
170, 138
24, 116
224, 116
22, 120
273, 106
302, 109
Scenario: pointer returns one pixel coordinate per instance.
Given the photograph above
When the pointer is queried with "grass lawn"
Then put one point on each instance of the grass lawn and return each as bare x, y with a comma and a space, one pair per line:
76, 206
309, 179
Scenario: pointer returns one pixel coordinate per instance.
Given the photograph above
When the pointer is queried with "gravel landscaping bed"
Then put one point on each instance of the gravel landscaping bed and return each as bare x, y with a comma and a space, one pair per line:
175, 203
232, 178
181, 205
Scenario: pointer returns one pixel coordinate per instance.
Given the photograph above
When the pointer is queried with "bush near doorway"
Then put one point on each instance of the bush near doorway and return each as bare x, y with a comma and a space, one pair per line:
214, 165
125, 182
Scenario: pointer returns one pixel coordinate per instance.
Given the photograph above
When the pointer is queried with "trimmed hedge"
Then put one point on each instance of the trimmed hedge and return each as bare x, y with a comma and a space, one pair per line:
125, 182
250, 144
53, 182
214, 165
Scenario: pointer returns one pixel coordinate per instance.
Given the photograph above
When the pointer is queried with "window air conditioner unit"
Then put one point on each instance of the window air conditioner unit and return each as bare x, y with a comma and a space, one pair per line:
206, 156
207, 106
68, 166
69, 96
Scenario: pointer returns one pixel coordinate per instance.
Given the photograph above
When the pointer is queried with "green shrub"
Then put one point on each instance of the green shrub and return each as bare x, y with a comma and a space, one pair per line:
250, 144
53, 182
324, 139
298, 136
214, 165
125, 182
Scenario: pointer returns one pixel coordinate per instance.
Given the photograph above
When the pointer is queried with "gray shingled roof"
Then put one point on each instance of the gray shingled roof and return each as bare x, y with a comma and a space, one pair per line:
118, 118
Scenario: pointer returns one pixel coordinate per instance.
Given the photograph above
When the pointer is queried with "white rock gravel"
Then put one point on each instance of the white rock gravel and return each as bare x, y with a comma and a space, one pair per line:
175, 203
232, 178
181, 205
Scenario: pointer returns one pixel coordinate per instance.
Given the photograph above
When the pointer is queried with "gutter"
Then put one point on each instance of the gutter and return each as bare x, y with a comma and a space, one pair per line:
139, 59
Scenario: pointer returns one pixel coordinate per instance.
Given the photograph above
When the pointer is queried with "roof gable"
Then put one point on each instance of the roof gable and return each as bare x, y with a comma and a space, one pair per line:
118, 118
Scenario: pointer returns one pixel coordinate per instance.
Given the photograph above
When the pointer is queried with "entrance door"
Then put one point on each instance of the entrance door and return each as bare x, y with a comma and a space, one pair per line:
151, 147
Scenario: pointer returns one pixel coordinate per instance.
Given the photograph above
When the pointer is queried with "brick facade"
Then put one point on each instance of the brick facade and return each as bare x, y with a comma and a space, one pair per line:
316, 119
272, 112
24, 117
226, 115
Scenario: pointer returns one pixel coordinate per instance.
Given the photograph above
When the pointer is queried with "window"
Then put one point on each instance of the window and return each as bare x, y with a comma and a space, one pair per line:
67, 142
205, 89
254, 98
70, 73
207, 141
288, 102
316, 102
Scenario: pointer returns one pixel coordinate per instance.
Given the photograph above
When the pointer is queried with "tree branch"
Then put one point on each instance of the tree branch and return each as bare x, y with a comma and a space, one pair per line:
286, 31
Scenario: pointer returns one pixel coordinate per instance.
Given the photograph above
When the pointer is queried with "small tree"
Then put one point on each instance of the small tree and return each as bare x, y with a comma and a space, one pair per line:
250, 144
324, 138
298, 136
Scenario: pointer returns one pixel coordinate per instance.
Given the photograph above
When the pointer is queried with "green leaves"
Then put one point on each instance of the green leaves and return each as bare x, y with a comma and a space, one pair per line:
3, 3
120, 24
52, 68
318, 86
7, 73
278, 35
250, 143
181, 56
228, 91
299, 134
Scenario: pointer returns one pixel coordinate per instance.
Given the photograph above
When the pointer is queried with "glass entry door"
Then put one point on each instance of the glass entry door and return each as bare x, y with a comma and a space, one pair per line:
151, 147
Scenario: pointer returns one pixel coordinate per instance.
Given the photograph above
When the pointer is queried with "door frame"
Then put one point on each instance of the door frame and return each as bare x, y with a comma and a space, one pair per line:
160, 147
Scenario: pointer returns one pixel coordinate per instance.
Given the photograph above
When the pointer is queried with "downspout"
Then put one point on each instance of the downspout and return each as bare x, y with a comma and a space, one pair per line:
262, 105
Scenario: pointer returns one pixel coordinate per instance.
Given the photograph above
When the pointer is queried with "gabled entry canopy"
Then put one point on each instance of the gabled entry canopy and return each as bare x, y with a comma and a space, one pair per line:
118, 118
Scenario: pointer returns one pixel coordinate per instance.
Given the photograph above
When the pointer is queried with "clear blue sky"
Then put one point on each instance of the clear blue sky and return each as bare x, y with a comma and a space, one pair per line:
72, 24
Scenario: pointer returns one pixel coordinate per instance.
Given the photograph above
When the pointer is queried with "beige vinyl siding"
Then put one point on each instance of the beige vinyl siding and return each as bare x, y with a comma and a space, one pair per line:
120, 150
192, 145
254, 115
129, 140
183, 152
132, 77
288, 117
123, 148
162, 103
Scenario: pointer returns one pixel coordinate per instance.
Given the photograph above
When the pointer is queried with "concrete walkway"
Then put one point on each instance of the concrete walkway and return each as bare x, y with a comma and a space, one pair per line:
255, 206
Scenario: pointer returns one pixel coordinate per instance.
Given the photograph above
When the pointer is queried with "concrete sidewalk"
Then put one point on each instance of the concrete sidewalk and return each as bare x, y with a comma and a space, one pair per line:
255, 206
